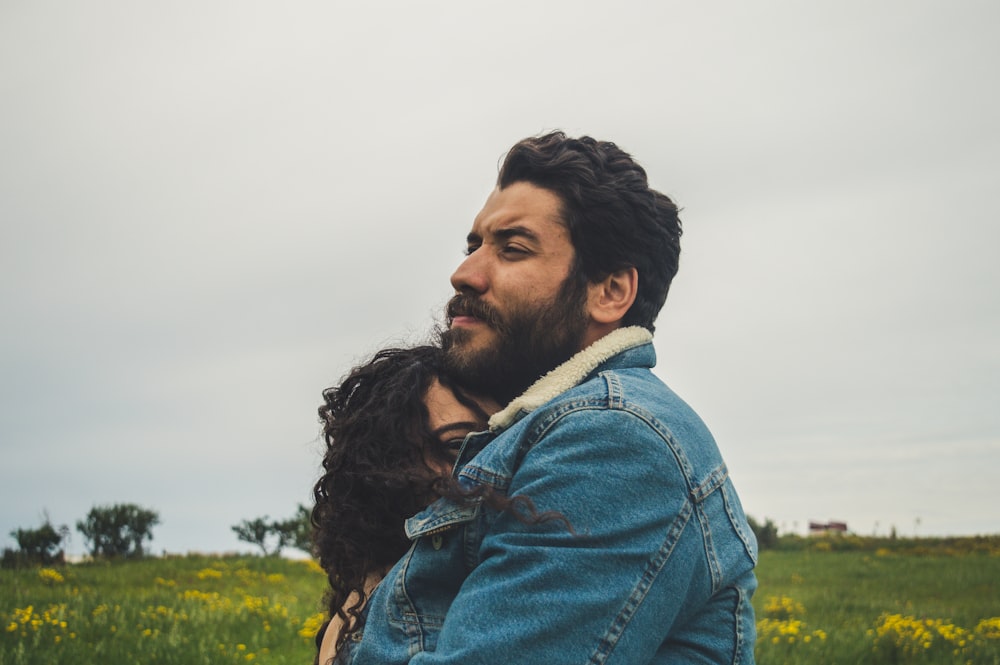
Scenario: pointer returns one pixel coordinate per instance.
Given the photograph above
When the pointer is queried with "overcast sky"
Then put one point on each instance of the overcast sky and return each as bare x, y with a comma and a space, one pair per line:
209, 211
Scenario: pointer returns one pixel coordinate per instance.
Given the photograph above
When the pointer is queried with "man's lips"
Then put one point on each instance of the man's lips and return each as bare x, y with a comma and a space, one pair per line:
467, 312
465, 321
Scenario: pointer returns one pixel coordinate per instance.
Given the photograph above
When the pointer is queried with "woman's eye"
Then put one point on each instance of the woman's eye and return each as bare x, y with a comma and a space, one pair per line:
449, 448
453, 445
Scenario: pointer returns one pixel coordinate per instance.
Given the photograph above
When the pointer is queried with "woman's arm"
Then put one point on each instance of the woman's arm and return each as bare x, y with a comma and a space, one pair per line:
328, 647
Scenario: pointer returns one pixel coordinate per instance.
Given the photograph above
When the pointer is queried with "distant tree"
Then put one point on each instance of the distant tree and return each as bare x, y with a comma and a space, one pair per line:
767, 533
304, 535
299, 529
256, 532
35, 546
118, 530
272, 536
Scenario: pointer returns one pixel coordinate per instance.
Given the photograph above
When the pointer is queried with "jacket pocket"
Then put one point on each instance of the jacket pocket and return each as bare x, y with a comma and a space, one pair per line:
425, 582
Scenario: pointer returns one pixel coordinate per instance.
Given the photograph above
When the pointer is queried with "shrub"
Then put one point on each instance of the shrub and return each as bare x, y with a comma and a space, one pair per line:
766, 533
35, 546
118, 530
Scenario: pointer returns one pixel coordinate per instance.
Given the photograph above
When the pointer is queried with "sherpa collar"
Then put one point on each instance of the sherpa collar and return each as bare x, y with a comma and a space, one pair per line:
570, 373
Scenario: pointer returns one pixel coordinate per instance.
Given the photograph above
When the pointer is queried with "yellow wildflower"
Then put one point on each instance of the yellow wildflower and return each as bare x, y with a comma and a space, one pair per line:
312, 625
209, 573
50, 576
989, 628
783, 607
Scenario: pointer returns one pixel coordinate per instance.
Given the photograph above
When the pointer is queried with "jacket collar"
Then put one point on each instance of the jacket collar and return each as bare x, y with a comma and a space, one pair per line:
570, 373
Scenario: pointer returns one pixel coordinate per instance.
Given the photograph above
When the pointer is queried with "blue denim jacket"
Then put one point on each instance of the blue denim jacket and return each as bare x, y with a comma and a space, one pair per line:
656, 566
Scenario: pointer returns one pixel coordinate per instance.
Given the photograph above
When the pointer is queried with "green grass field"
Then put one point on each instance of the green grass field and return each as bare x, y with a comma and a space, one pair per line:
878, 607
819, 602
190, 610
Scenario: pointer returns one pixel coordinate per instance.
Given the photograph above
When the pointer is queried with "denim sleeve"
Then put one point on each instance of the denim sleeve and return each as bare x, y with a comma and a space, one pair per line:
609, 588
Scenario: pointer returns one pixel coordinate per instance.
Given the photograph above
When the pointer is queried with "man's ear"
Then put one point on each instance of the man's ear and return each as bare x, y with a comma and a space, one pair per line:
609, 299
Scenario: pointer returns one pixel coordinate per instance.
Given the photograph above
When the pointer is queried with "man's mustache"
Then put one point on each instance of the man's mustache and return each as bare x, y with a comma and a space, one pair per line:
465, 305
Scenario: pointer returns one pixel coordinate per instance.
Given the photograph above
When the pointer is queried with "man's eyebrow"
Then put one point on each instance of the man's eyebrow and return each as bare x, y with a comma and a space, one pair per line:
505, 233
516, 231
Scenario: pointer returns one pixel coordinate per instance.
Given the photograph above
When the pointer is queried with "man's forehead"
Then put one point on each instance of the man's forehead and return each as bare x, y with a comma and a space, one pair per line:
520, 208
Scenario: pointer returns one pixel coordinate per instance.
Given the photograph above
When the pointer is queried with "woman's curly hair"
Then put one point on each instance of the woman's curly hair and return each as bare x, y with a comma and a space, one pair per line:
375, 426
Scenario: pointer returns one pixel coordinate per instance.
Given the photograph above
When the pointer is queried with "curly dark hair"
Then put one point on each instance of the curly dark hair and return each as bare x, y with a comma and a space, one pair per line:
375, 426
614, 219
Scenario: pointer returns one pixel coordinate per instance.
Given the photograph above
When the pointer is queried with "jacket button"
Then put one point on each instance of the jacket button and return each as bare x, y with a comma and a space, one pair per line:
437, 540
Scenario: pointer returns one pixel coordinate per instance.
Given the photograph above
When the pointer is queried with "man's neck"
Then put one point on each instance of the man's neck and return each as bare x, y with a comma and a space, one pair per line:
596, 331
571, 372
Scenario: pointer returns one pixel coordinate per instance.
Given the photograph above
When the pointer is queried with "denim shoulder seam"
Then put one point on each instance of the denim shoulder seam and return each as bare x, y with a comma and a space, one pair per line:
556, 412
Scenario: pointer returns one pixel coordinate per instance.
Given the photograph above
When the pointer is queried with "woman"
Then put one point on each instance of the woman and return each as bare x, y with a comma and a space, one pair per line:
393, 429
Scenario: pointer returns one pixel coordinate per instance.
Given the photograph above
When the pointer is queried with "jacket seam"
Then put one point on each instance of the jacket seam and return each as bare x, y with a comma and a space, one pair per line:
653, 567
748, 540
741, 600
556, 412
714, 567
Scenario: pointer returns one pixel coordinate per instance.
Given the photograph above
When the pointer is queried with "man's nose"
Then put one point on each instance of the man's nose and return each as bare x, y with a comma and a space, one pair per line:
471, 274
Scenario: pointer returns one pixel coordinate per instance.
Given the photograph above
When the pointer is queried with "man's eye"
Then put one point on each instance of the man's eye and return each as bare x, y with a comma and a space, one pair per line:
514, 250
470, 249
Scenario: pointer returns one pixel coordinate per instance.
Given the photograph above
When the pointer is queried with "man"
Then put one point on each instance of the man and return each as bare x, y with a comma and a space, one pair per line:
595, 522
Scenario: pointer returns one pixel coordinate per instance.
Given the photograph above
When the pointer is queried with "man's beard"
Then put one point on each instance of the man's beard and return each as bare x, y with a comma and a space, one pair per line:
529, 342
